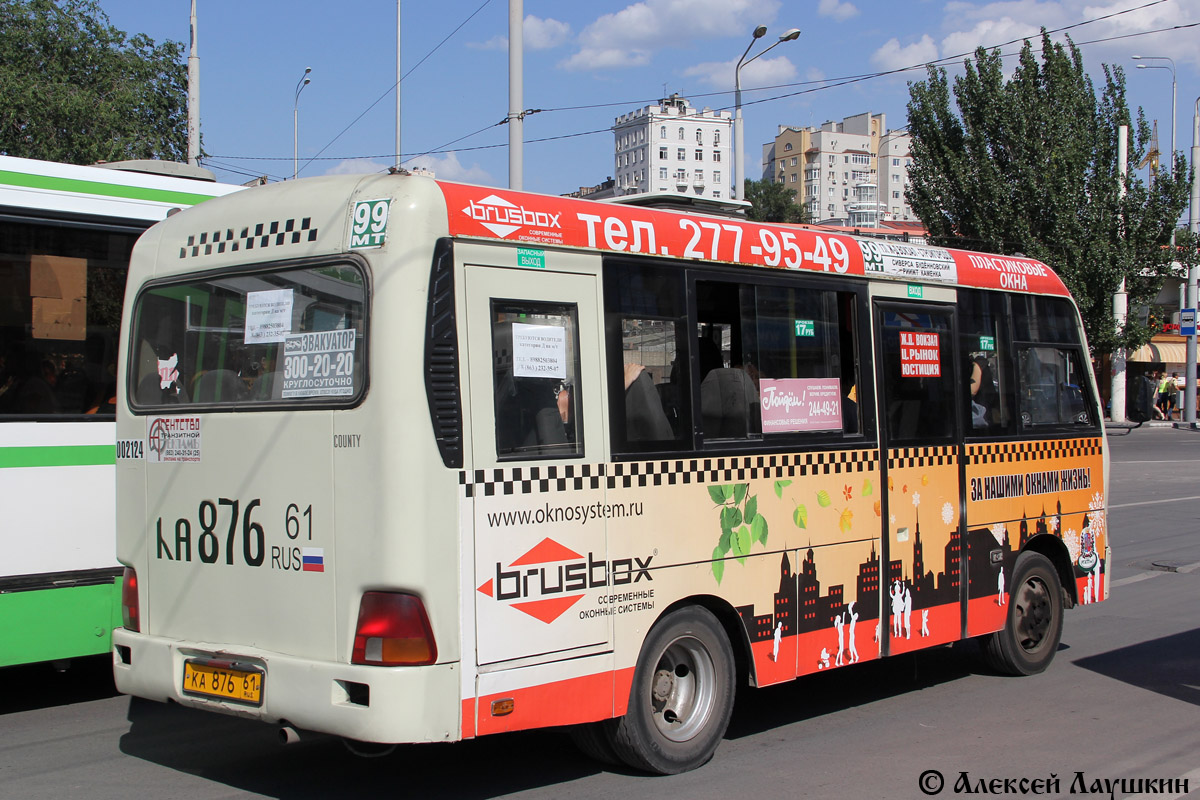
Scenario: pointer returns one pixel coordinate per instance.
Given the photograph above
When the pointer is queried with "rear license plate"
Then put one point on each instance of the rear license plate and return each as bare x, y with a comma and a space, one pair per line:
224, 680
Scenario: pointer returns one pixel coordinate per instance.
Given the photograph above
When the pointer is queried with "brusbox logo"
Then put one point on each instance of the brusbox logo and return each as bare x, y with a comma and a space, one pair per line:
551, 578
502, 217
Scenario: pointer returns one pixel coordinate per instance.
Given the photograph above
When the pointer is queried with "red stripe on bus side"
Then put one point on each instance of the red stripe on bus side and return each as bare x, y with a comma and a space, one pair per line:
585, 699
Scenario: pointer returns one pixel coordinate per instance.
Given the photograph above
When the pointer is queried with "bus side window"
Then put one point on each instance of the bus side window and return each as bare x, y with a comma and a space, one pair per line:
538, 397
647, 357
1054, 390
983, 341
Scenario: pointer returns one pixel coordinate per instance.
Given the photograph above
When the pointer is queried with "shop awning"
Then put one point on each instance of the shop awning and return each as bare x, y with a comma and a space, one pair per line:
1162, 352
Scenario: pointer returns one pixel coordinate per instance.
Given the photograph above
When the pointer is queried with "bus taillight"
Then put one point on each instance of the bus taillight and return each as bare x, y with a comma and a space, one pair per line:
393, 630
130, 615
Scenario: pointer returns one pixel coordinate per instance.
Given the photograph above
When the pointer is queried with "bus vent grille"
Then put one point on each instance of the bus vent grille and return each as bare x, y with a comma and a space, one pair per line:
441, 357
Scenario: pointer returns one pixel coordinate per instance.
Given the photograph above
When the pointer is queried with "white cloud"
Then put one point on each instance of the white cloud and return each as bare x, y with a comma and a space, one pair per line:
536, 34
892, 56
762, 72
629, 37
543, 34
445, 167
448, 167
834, 9
989, 33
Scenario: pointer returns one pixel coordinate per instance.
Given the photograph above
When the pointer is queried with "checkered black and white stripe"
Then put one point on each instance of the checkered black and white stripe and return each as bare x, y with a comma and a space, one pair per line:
670, 472
1001, 453
265, 234
902, 457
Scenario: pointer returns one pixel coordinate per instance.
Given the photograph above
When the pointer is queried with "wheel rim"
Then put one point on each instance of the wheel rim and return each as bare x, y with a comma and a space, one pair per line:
1035, 612
681, 689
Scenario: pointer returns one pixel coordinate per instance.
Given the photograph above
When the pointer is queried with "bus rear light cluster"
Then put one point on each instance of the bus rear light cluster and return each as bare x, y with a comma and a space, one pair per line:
393, 630
131, 617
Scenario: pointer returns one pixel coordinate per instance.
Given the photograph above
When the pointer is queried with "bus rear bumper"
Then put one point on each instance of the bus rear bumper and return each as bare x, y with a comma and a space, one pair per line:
369, 704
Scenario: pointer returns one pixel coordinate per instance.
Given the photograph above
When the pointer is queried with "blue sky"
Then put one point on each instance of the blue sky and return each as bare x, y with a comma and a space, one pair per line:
587, 63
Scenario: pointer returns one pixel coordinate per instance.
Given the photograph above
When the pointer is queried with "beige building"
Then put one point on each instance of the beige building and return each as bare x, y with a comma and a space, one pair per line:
837, 172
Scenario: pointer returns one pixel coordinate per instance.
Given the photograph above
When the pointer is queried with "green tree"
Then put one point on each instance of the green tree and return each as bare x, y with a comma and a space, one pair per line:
772, 202
1029, 165
75, 89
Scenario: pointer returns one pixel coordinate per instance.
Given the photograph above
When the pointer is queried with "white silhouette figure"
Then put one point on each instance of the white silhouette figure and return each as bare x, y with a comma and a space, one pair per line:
838, 623
778, 638
1000, 588
878, 626
853, 622
1087, 593
1096, 584
897, 595
924, 621
907, 613
823, 663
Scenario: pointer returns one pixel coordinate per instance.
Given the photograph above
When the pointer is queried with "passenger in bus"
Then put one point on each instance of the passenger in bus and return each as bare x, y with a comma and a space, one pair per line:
983, 393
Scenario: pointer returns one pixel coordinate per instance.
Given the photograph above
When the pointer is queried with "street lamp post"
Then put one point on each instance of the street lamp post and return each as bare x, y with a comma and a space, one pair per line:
1172, 68
739, 165
304, 81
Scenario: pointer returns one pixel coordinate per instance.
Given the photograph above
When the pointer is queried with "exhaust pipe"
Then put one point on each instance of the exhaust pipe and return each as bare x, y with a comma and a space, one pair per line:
288, 734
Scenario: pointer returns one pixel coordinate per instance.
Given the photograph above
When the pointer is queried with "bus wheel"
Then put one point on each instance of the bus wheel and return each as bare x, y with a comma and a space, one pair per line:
1027, 642
682, 695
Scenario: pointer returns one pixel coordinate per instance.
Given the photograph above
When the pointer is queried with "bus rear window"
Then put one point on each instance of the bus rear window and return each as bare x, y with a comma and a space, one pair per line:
234, 341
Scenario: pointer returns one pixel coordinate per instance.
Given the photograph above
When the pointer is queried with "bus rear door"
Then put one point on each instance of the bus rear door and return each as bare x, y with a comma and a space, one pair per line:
537, 491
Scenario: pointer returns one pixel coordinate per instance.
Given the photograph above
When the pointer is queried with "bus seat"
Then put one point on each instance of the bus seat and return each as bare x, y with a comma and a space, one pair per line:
645, 419
220, 385
728, 404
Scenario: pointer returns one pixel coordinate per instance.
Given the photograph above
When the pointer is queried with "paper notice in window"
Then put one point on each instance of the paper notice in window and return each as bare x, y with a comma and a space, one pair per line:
268, 316
539, 351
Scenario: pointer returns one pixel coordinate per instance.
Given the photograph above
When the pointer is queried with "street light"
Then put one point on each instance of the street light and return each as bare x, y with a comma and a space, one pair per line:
304, 81
1172, 68
739, 166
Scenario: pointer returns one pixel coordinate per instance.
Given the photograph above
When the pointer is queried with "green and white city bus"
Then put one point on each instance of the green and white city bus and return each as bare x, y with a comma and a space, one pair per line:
66, 233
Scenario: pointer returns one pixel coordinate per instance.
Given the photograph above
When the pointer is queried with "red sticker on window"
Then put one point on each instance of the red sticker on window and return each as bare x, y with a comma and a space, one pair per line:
920, 355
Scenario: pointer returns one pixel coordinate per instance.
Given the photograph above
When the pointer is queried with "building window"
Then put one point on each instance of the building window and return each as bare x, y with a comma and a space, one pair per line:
662, 132
681, 153
717, 156
681, 134
895, 162
717, 139
662, 153
699, 154
792, 178
662, 173
699, 136
717, 176
717, 193
787, 146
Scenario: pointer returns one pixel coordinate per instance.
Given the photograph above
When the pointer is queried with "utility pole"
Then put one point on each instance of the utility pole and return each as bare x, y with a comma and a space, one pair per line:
1116, 395
516, 96
398, 77
193, 118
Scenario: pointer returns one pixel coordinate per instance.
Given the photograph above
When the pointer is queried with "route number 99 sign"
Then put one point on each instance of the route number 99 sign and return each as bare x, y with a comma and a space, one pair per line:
370, 224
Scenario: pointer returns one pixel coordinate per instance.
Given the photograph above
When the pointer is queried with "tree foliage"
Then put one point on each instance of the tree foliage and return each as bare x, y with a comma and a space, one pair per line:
1029, 164
75, 89
772, 202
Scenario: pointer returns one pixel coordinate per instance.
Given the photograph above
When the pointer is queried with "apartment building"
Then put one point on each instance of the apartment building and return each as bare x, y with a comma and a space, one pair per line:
837, 171
673, 148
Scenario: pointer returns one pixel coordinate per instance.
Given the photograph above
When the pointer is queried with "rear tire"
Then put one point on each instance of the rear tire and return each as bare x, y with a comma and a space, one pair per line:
595, 740
1033, 626
682, 695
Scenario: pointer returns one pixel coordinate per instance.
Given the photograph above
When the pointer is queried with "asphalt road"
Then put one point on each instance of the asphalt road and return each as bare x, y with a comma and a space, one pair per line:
1120, 702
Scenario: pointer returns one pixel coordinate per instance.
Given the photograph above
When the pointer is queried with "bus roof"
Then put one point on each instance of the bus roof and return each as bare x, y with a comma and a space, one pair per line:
58, 189
317, 214
533, 219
